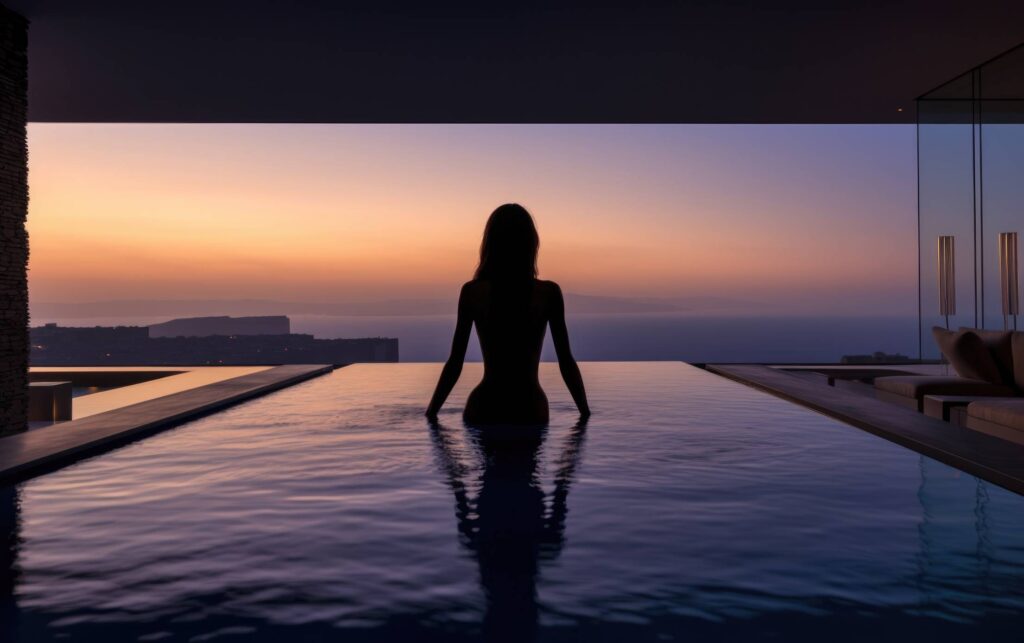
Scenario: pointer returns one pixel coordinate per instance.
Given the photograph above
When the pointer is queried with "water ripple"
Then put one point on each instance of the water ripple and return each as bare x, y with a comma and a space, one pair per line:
688, 507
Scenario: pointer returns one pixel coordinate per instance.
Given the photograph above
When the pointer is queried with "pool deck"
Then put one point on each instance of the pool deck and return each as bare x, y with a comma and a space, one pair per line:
41, 450
131, 384
990, 458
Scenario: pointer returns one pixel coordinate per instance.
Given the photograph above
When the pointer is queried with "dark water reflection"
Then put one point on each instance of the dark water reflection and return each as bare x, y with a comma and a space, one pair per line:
10, 535
511, 526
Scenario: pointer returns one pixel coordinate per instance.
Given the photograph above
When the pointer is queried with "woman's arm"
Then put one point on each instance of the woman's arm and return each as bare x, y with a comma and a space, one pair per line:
566, 364
453, 367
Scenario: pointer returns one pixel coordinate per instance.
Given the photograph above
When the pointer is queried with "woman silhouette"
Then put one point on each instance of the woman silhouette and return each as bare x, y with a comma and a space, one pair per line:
511, 309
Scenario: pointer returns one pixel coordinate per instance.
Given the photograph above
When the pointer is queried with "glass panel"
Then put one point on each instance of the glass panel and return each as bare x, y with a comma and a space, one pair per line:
1002, 192
946, 209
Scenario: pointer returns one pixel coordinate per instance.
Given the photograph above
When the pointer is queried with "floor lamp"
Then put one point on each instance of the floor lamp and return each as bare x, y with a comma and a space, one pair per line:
1008, 278
947, 277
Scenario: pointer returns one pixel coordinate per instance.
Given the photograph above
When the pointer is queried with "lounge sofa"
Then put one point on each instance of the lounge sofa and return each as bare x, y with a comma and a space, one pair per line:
988, 363
910, 390
1001, 417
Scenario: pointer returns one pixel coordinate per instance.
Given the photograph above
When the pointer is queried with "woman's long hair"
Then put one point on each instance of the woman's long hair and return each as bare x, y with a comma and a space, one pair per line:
508, 251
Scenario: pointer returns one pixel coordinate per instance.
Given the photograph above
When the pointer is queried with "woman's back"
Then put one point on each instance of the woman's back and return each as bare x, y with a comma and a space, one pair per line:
511, 320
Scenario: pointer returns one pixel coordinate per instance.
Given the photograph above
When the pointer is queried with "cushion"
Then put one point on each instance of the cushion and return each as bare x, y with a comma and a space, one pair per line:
1006, 412
917, 386
1017, 347
998, 344
968, 354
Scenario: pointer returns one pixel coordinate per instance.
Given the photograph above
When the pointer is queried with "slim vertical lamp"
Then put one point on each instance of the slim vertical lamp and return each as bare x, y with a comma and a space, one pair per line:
947, 277
1008, 277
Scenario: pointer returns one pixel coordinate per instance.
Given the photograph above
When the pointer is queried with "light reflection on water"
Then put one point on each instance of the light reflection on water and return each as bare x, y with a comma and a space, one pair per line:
689, 507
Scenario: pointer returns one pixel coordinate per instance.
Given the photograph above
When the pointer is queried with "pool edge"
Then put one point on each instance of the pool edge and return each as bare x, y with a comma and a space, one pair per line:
992, 459
39, 451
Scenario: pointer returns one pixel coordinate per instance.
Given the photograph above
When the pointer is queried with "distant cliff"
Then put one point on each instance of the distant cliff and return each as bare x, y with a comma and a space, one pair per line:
223, 325
54, 345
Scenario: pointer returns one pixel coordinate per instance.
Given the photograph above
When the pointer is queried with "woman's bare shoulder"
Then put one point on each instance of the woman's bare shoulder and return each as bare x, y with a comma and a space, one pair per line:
474, 287
550, 287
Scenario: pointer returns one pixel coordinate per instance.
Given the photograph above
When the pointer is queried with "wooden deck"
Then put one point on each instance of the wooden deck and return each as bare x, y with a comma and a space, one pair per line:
37, 451
984, 456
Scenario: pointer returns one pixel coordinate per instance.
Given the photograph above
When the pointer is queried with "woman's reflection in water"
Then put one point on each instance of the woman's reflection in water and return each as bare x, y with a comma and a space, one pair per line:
510, 526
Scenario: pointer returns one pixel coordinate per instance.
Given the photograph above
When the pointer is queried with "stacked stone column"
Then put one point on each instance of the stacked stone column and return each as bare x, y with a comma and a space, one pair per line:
14, 343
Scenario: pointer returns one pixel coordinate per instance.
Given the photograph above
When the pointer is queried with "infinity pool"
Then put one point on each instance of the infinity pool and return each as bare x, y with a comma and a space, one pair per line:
688, 508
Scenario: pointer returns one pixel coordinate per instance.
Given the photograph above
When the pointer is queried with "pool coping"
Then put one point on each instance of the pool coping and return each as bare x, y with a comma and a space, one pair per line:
995, 460
38, 451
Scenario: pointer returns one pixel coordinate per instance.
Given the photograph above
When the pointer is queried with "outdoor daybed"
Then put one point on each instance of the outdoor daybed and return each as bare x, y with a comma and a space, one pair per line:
989, 364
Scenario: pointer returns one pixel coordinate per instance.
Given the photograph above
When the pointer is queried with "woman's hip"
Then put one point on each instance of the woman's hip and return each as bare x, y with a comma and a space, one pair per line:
490, 403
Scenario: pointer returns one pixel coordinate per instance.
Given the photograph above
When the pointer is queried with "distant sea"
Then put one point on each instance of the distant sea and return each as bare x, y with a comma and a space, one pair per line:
633, 336
655, 336
625, 337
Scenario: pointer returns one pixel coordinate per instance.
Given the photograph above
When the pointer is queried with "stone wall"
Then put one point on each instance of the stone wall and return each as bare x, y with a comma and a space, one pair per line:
13, 211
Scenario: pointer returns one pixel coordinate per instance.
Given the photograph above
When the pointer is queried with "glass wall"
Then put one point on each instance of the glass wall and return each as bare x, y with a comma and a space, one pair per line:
970, 137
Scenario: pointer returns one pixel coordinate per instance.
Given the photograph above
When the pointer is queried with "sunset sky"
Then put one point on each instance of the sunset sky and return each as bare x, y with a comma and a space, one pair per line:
812, 218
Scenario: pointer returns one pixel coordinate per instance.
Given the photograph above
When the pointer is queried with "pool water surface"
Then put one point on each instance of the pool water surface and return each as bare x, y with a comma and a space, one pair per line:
689, 508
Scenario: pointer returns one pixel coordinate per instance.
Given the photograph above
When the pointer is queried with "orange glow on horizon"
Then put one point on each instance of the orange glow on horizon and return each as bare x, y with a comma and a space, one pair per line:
317, 213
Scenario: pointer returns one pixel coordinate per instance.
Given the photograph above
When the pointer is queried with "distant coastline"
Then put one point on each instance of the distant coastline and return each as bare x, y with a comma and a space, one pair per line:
200, 341
694, 337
